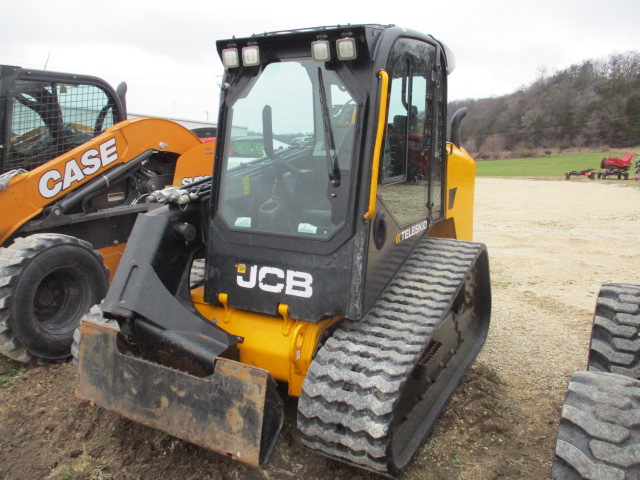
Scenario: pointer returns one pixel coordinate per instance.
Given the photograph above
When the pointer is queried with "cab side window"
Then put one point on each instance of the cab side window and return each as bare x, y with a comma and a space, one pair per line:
394, 165
406, 163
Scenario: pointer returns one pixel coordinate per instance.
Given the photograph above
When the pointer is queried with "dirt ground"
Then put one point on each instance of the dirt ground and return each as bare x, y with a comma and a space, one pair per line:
551, 245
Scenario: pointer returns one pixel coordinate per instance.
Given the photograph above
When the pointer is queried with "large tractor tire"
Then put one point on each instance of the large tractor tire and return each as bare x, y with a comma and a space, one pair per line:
615, 338
599, 432
47, 282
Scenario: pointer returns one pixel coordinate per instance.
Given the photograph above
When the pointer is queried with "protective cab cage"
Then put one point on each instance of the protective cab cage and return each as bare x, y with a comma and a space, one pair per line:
45, 114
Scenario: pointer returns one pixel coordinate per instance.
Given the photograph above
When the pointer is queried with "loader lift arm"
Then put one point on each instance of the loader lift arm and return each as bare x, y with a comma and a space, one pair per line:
150, 293
179, 355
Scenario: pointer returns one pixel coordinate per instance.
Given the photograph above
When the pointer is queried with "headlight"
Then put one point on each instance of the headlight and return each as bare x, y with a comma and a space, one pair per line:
346, 48
320, 51
230, 58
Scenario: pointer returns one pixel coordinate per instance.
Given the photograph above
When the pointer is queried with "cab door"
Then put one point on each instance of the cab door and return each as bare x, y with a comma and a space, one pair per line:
411, 180
410, 184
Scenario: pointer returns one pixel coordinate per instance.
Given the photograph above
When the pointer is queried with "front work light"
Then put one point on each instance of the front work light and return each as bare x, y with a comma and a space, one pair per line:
230, 58
250, 56
346, 48
320, 51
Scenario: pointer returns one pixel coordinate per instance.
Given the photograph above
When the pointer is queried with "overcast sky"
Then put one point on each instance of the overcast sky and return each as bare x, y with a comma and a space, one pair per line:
165, 50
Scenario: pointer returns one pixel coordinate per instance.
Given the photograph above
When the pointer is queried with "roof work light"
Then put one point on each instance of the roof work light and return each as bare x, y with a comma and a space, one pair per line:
251, 56
230, 58
346, 48
320, 51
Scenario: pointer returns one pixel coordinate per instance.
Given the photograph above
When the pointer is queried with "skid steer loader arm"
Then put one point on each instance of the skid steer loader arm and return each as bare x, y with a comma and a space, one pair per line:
170, 373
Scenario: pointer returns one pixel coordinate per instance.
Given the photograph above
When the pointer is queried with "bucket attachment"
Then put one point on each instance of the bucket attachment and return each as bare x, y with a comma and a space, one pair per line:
237, 411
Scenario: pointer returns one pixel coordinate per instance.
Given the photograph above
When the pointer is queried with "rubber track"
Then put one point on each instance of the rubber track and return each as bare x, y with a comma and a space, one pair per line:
615, 338
599, 432
355, 381
12, 261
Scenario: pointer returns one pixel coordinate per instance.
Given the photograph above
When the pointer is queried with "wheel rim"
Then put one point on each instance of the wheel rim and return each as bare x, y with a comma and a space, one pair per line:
59, 298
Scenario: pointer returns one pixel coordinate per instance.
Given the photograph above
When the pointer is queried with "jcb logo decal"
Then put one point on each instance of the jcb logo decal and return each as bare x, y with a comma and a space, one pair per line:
275, 280
52, 182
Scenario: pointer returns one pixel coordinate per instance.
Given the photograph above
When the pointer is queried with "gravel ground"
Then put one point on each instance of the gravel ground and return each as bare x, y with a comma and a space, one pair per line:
551, 244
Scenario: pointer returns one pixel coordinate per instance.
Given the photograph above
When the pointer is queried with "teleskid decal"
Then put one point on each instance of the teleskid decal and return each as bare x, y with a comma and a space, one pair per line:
52, 182
275, 280
412, 231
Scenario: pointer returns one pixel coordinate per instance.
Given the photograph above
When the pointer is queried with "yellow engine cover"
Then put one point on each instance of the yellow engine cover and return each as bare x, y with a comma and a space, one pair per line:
281, 345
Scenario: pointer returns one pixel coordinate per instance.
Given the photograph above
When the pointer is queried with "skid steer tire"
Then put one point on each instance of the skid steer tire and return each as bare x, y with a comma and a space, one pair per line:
615, 337
47, 282
599, 435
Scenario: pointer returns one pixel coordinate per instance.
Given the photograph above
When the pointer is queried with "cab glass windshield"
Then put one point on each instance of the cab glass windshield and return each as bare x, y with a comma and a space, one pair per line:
288, 153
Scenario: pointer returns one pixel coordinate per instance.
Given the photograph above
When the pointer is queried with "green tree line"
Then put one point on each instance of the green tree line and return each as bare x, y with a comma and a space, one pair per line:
592, 104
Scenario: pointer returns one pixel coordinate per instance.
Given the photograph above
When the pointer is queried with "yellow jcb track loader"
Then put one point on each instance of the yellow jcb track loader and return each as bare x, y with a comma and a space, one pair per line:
71, 185
338, 261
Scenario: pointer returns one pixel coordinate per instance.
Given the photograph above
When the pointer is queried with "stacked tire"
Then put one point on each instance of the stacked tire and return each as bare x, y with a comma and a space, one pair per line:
599, 432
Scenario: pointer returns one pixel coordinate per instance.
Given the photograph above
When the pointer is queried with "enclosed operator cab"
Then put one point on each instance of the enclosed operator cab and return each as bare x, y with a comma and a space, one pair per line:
288, 219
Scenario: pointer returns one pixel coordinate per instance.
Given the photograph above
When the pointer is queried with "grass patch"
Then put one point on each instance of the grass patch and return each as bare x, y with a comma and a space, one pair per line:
552, 166
8, 370
84, 467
